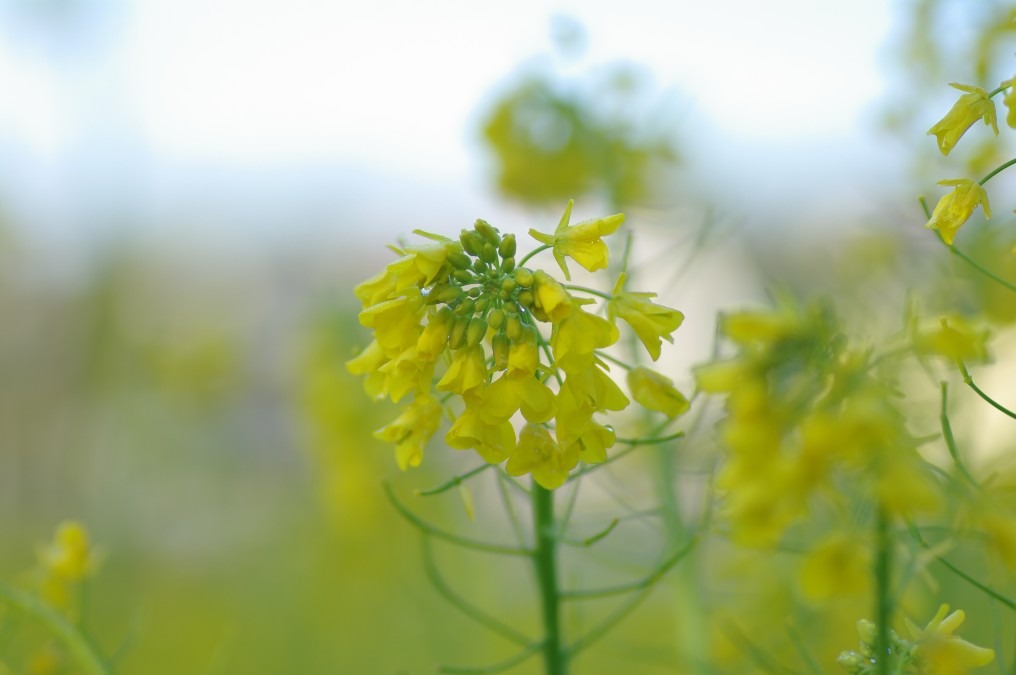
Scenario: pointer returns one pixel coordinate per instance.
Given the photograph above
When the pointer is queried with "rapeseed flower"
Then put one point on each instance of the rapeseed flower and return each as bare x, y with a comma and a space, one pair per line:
955, 208
973, 106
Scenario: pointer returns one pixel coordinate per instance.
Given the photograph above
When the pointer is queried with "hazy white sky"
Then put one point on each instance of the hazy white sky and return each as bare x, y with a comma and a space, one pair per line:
394, 88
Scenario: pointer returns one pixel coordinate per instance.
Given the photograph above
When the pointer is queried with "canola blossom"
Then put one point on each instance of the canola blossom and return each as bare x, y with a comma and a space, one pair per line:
509, 354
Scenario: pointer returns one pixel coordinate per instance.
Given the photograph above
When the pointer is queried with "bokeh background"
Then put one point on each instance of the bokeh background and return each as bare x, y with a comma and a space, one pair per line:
189, 191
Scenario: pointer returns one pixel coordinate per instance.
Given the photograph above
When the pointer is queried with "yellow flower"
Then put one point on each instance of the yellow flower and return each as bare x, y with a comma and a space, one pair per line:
1010, 102
955, 339
69, 557
652, 323
578, 336
550, 298
955, 208
582, 241
939, 652
540, 455
839, 565
411, 430
493, 442
656, 392
970, 107
467, 371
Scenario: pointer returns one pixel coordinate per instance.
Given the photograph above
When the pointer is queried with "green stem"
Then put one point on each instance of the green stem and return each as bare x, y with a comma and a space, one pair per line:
545, 530
883, 600
78, 645
997, 170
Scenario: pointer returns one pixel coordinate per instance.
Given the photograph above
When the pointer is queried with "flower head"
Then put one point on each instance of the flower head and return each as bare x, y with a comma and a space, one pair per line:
972, 106
580, 242
955, 208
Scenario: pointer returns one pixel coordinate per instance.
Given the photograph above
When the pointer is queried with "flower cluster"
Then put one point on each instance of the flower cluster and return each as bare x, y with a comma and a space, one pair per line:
801, 404
932, 650
462, 318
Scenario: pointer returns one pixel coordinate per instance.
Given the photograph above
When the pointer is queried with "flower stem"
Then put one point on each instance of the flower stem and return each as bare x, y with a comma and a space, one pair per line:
555, 657
883, 601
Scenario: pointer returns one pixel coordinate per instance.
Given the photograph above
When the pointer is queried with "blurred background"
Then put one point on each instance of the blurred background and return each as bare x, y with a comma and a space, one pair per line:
189, 191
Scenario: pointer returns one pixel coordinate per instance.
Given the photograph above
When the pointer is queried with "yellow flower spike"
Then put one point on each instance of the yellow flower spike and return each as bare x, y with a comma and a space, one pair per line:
656, 392
939, 652
493, 442
1009, 100
581, 242
652, 323
972, 106
411, 430
550, 297
69, 557
468, 370
577, 337
838, 566
537, 453
955, 208
955, 339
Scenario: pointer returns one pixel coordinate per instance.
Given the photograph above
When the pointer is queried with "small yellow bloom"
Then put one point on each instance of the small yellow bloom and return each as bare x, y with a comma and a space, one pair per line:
411, 430
581, 242
652, 323
540, 455
656, 392
955, 208
939, 652
955, 339
972, 106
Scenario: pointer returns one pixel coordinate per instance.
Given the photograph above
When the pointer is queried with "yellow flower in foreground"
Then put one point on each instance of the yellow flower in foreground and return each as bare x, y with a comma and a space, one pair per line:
972, 106
581, 242
539, 454
656, 392
652, 323
411, 430
954, 209
939, 652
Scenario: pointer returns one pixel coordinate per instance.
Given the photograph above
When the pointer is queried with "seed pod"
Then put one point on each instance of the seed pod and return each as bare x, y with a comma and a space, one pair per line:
526, 298
507, 247
470, 242
500, 345
513, 327
508, 264
466, 307
457, 338
524, 277
496, 318
475, 331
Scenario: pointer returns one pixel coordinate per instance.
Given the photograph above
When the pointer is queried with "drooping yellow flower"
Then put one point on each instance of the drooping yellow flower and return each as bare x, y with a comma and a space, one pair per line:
581, 242
656, 392
955, 208
652, 323
954, 339
972, 106
411, 430
537, 453
939, 652
577, 337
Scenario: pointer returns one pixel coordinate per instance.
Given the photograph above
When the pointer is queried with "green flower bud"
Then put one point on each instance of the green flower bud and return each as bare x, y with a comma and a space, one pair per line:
475, 331
507, 247
501, 346
524, 277
508, 264
457, 338
496, 318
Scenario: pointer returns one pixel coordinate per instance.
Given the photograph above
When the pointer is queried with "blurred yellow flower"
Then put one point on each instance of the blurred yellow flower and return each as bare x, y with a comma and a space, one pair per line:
652, 323
955, 208
972, 106
939, 652
581, 242
656, 392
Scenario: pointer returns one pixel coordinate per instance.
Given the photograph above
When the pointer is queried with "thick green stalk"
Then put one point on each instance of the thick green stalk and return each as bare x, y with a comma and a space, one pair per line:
883, 599
545, 557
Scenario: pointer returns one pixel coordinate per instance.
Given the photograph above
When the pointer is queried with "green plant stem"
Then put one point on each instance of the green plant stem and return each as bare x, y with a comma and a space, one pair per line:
545, 558
883, 599
78, 645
